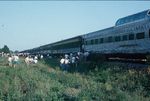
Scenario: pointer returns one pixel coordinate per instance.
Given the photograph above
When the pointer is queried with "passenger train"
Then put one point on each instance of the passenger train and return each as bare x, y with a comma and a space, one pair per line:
130, 37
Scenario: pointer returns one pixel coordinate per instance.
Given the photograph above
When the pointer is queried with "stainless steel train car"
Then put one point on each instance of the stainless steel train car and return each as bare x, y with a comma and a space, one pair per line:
130, 35
72, 45
39, 50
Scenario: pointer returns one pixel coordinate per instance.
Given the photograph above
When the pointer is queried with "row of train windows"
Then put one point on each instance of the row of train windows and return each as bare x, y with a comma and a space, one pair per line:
116, 38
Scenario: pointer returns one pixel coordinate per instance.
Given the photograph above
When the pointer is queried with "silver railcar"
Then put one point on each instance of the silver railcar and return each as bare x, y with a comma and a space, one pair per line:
130, 35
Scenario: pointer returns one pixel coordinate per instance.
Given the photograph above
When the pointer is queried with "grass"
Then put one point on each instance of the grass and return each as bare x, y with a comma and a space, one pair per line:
46, 82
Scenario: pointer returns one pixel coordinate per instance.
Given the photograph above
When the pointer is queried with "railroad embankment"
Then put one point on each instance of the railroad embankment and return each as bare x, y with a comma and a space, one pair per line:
44, 81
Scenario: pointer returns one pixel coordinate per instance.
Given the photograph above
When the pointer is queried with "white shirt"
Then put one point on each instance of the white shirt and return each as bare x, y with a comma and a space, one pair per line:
62, 60
35, 58
66, 61
41, 56
10, 59
35, 61
30, 59
27, 59
73, 59
16, 58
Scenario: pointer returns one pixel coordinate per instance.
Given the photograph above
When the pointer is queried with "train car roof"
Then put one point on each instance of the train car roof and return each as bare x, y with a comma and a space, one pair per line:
50, 44
100, 31
65, 40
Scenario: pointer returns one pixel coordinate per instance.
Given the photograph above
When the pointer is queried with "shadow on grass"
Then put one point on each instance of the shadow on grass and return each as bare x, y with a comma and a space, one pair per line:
81, 67
54, 62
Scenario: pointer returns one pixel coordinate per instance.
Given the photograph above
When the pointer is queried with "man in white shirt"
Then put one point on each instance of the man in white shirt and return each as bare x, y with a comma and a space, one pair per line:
10, 60
15, 60
62, 61
67, 64
41, 57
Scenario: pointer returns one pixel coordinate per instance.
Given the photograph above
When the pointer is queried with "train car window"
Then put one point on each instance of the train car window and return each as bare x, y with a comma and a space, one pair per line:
117, 38
88, 42
131, 36
85, 42
105, 40
92, 42
124, 37
96, 41
101, 40
110, 39
140, 35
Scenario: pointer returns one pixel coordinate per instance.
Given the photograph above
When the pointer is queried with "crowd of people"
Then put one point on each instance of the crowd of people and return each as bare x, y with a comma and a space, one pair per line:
13, 60
72, 60
33, 59
66, 61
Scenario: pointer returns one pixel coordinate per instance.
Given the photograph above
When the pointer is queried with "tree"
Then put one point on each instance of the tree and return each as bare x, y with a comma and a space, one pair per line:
16, 51
5, 49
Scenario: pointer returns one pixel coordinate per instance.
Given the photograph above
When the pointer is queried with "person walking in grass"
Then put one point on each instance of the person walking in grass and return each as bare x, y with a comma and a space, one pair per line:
27, 60
15, 60
10, 60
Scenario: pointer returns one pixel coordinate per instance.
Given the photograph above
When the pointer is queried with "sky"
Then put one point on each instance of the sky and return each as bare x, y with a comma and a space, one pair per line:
29, 24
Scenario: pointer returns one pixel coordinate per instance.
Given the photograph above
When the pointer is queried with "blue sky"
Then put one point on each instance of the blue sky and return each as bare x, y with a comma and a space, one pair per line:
29, 24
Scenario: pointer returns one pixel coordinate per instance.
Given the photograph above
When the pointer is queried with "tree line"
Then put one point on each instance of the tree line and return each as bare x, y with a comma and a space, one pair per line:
5, 49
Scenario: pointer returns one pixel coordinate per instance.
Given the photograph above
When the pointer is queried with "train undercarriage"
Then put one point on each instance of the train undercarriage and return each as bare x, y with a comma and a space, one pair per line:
138, 57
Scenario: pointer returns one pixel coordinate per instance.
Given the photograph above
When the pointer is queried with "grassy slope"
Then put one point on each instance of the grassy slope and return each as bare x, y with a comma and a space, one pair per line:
41, 83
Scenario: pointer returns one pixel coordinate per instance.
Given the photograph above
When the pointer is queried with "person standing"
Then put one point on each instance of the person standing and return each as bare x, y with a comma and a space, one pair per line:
10, 60
15, 60
27, 60
62, 65
35, 57
67, 64
41, 57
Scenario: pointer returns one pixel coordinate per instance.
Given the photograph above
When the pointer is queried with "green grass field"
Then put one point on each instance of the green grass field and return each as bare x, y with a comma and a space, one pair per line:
46, 82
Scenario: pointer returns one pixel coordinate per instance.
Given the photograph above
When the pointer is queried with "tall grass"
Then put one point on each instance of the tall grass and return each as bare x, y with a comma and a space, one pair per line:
41, 82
